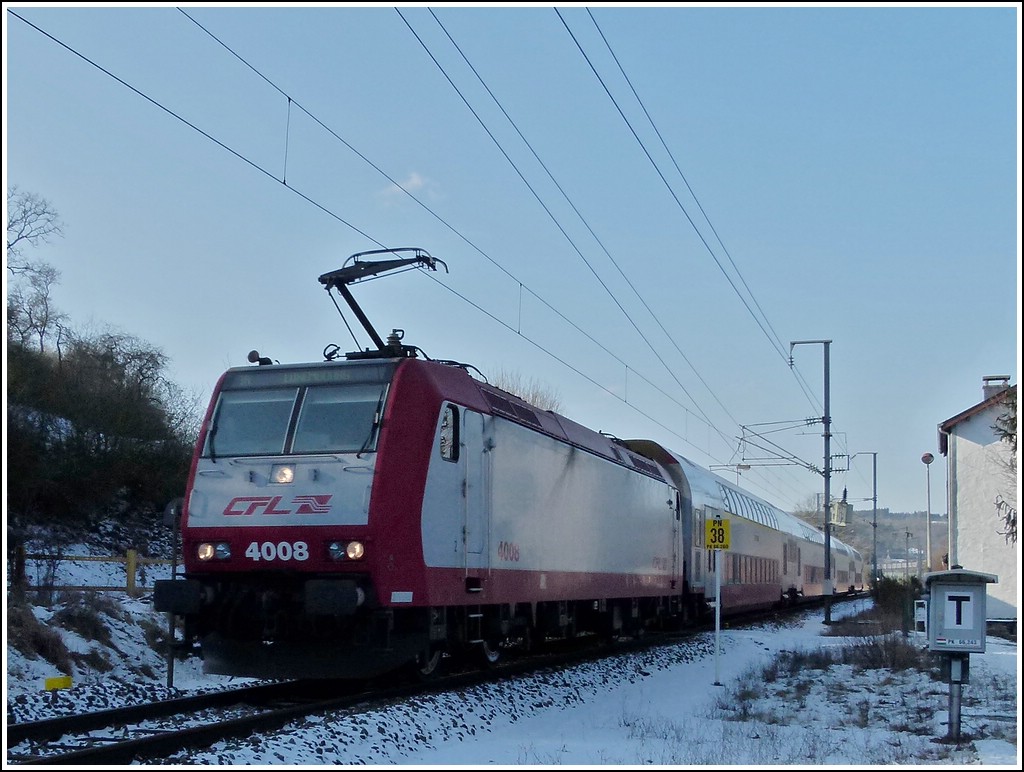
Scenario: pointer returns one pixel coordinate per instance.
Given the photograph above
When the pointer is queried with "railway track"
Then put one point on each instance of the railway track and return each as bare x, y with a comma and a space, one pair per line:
152, 730
162, 730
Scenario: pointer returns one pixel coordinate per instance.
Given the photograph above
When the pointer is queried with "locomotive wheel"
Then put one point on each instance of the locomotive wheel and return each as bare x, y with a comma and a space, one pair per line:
428, 663
489, 653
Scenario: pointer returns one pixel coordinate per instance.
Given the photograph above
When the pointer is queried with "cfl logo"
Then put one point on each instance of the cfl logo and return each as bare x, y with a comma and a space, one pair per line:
270, 505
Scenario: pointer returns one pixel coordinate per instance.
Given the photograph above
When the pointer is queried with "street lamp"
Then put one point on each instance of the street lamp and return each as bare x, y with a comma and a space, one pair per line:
827, 422
927, 458
874, 513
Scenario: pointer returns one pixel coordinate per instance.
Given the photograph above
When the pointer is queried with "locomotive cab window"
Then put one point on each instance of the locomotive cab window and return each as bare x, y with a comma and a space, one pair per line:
300, 411
448, 439
250, 423
338, 418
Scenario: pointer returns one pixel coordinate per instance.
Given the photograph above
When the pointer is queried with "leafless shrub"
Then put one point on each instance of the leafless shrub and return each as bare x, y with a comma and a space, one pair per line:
888, 652
156, 636
94, 659
34, 639
83, 612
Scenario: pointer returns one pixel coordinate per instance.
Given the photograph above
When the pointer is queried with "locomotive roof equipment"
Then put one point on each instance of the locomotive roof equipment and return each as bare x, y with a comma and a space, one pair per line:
359, 271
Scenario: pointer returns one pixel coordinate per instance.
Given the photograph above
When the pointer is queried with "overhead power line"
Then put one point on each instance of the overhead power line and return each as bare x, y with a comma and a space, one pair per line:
772, 336
281, 180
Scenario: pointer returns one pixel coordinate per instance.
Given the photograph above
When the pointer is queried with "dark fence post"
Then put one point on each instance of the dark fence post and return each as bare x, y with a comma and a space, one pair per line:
18, 579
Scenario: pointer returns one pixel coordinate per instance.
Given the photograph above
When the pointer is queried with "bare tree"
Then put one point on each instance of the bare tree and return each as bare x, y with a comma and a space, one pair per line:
529, 390
183, 411
809, 510
32, 319
1005, 428
30, 220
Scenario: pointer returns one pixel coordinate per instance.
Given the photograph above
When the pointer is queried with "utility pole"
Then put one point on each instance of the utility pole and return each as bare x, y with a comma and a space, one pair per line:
827, 421
874, 523
874, 513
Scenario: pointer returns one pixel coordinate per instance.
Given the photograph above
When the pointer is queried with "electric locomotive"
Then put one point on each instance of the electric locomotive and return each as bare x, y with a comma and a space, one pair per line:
353, 516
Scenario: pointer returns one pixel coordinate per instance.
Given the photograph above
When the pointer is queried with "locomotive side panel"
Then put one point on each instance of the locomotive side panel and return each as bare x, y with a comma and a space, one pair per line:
456, 499
578, 525
534, 518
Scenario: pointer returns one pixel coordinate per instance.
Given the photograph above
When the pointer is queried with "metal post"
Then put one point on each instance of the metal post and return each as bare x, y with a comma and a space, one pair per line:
927, 458
954, 711
718, 609
952, 515
172, 515
906, 559
874, 513
874, 519
828, 496
170, 621
827, 421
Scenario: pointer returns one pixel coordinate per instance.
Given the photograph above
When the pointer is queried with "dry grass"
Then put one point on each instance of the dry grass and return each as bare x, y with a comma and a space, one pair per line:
34, 639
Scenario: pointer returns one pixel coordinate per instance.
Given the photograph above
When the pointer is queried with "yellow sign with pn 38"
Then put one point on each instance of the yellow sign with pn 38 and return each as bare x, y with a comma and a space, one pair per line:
716, 534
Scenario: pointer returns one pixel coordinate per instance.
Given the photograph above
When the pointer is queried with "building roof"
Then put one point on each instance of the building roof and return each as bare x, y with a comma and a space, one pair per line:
946, 426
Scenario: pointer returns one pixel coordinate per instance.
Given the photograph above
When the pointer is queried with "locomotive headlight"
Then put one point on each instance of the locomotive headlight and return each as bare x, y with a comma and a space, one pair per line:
213, 551
354, 550
282, 474
340, 550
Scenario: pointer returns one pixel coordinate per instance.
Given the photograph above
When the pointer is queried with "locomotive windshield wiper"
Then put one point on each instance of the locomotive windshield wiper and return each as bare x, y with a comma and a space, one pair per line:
213, 433
373, 428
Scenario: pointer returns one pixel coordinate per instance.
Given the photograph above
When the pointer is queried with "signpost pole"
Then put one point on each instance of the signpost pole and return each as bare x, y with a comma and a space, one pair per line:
718, 611
716, 539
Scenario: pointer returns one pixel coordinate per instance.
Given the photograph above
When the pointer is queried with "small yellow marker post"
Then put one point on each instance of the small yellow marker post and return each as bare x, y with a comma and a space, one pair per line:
58, 682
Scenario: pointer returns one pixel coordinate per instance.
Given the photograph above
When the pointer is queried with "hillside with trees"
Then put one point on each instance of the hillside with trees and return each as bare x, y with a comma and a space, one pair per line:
95, 428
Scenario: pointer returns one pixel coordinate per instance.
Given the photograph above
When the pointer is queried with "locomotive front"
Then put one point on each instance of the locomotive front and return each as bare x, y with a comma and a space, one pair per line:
275, 527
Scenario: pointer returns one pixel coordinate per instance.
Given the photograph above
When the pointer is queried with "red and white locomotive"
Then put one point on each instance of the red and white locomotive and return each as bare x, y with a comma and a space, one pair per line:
348, 517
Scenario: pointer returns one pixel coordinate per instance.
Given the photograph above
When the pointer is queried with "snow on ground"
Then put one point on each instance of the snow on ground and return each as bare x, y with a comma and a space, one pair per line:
680, 706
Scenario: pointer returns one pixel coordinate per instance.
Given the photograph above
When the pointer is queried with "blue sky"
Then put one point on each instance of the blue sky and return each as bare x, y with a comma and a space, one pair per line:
639, 207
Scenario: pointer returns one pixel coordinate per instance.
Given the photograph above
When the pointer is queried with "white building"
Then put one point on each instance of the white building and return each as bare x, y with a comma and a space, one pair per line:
980, 490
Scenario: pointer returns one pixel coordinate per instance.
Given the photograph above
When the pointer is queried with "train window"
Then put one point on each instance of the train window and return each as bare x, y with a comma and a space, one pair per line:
342, 418
249, 423
449, 438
